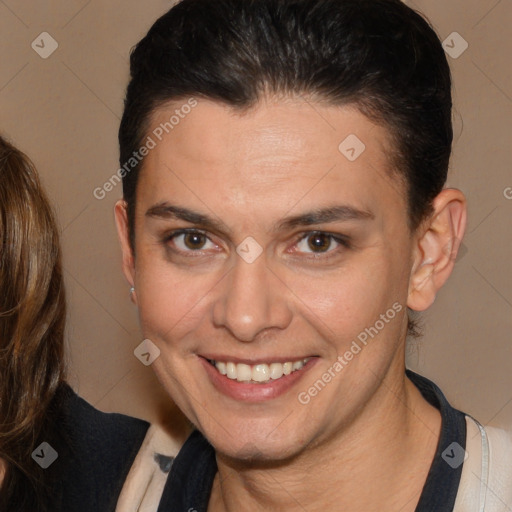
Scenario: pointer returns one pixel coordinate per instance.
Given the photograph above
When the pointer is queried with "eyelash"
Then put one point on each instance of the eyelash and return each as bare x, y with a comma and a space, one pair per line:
191, 231
339, 239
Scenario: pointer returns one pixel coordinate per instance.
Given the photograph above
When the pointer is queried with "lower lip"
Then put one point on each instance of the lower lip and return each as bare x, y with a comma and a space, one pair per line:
249, 392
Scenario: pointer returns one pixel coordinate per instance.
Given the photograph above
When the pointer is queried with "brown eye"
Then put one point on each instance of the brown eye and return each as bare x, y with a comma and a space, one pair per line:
190, 241
194, 240
319, 242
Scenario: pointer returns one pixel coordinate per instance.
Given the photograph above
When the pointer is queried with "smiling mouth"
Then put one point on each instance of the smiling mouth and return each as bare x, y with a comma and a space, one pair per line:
257, 373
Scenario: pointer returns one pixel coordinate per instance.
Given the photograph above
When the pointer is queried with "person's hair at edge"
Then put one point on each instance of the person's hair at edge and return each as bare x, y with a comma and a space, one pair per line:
378, 55
32, 318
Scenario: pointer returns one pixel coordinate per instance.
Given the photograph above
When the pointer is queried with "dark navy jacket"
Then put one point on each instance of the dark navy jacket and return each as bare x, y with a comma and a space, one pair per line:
95, 453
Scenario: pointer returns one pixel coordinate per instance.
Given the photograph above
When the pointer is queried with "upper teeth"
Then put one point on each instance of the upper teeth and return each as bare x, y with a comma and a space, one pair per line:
258, 372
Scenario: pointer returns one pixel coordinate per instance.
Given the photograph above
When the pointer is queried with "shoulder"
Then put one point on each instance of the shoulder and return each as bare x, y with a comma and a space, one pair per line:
487, 470
87, 425
145, 483
484, 474
95, 451
189, 484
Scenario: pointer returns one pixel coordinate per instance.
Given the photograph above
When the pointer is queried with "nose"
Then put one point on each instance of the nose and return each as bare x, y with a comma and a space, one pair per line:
252, 300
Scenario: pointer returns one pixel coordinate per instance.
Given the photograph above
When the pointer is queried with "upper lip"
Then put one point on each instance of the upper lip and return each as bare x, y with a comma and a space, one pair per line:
254, 360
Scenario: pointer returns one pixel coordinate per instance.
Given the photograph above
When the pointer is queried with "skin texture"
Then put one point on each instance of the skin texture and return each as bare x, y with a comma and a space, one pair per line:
248, 171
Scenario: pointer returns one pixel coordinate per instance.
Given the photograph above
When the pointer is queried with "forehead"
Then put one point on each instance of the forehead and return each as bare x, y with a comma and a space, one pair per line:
282, 149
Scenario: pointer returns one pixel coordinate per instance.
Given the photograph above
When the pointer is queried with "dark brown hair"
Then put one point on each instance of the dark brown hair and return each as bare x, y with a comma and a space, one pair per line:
32, 318
378, 55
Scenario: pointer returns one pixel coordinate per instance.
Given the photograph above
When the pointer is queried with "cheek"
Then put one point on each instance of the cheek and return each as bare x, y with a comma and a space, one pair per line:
345, 302
170, 302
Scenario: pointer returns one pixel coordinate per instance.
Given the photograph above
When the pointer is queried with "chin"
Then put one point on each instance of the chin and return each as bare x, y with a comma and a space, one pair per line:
255, 441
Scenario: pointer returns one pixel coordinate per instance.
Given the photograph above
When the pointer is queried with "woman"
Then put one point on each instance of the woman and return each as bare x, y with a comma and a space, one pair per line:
56, 451
32, 316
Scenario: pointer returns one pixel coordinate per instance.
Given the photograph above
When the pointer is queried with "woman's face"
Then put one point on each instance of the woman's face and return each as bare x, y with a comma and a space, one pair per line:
265, 249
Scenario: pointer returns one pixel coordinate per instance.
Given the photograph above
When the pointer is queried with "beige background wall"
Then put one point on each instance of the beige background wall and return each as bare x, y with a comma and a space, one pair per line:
64, 112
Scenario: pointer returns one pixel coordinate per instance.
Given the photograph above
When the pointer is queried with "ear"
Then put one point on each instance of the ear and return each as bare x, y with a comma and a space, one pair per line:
123, 233
436, 248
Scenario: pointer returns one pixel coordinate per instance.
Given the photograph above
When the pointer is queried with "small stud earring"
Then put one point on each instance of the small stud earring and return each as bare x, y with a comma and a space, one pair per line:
132, 289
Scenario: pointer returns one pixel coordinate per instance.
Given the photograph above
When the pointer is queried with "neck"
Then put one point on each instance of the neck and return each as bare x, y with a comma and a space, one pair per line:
383, 457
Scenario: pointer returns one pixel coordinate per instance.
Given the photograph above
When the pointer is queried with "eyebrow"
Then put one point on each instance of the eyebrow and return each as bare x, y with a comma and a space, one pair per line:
168, 211
317, 216
324, 216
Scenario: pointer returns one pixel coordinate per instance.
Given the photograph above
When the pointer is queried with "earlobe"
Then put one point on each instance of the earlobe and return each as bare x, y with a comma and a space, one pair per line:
436, 249
133, 296
123, 233
422, 291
